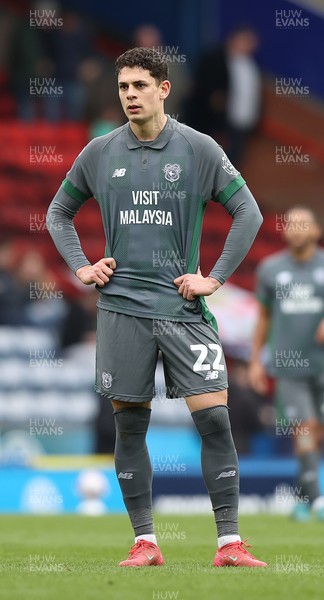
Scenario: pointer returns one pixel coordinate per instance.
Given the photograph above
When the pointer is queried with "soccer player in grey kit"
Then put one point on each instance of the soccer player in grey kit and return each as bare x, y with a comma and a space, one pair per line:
152, 178
290, 290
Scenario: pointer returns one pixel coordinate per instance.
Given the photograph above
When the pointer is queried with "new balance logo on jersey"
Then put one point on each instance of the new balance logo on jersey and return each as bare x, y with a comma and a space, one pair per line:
119, 173
125, 475
226, 474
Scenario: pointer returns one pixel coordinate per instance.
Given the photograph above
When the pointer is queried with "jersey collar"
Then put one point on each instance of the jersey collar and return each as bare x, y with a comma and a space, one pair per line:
162, 139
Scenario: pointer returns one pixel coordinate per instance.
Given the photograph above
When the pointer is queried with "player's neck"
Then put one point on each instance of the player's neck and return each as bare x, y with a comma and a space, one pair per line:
304, 254
149, 131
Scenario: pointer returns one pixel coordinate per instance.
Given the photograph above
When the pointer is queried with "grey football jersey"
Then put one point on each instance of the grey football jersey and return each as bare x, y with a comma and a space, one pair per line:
152, 197
293, 291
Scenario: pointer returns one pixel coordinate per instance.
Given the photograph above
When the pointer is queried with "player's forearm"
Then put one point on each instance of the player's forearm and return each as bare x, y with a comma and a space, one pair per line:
247, 220
59, 222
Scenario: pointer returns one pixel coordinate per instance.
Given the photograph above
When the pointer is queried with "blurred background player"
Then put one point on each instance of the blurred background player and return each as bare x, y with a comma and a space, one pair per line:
290, 290
226, 97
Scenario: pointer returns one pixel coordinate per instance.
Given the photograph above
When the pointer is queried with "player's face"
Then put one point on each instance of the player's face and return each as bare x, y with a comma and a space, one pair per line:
140, 94
301, 229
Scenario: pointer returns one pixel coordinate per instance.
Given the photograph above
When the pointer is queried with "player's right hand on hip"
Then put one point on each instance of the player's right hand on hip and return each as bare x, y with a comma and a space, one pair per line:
99, 273
258, 377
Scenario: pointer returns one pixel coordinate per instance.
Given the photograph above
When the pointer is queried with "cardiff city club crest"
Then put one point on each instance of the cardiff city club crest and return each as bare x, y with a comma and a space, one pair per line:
228, 167
106, 380
172, 172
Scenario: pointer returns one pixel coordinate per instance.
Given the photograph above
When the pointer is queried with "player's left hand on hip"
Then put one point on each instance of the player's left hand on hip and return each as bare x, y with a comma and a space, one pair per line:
191, 285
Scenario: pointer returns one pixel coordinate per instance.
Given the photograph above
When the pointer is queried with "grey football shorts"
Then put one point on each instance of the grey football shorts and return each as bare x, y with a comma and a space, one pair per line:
301, 399
127, 354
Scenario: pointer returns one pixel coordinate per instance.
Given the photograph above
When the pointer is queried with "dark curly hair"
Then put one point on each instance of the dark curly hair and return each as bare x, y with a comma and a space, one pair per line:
146, 58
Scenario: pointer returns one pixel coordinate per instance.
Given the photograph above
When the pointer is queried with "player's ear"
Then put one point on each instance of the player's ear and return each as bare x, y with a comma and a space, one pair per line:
165, 87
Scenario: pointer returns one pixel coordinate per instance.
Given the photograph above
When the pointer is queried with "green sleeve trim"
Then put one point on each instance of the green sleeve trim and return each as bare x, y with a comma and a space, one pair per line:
69, 188
230, 190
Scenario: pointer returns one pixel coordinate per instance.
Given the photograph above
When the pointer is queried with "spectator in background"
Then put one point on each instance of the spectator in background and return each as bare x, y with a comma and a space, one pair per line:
226, 98
14, 289
149, 36
48, 66
27, 61
29, 294
102, 106
8, 297
69, 47
108, 120
79, 323
244, 94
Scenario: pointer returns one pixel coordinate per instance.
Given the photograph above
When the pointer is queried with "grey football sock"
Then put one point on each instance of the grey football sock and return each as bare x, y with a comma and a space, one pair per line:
133, 466
309, 476
219, 466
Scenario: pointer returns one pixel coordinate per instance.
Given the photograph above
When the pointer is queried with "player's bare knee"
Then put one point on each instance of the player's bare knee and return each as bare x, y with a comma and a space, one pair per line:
122, 404
201, 401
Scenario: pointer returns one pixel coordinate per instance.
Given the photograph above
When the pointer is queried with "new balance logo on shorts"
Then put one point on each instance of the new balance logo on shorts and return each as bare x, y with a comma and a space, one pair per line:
211, 375
125, 475
119, 173
226, 474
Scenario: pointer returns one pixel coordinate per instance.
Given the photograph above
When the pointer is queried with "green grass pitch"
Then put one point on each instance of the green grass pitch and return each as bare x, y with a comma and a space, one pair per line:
73, 557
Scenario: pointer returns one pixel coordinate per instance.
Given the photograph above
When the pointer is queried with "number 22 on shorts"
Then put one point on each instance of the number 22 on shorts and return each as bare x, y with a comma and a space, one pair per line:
200, 365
